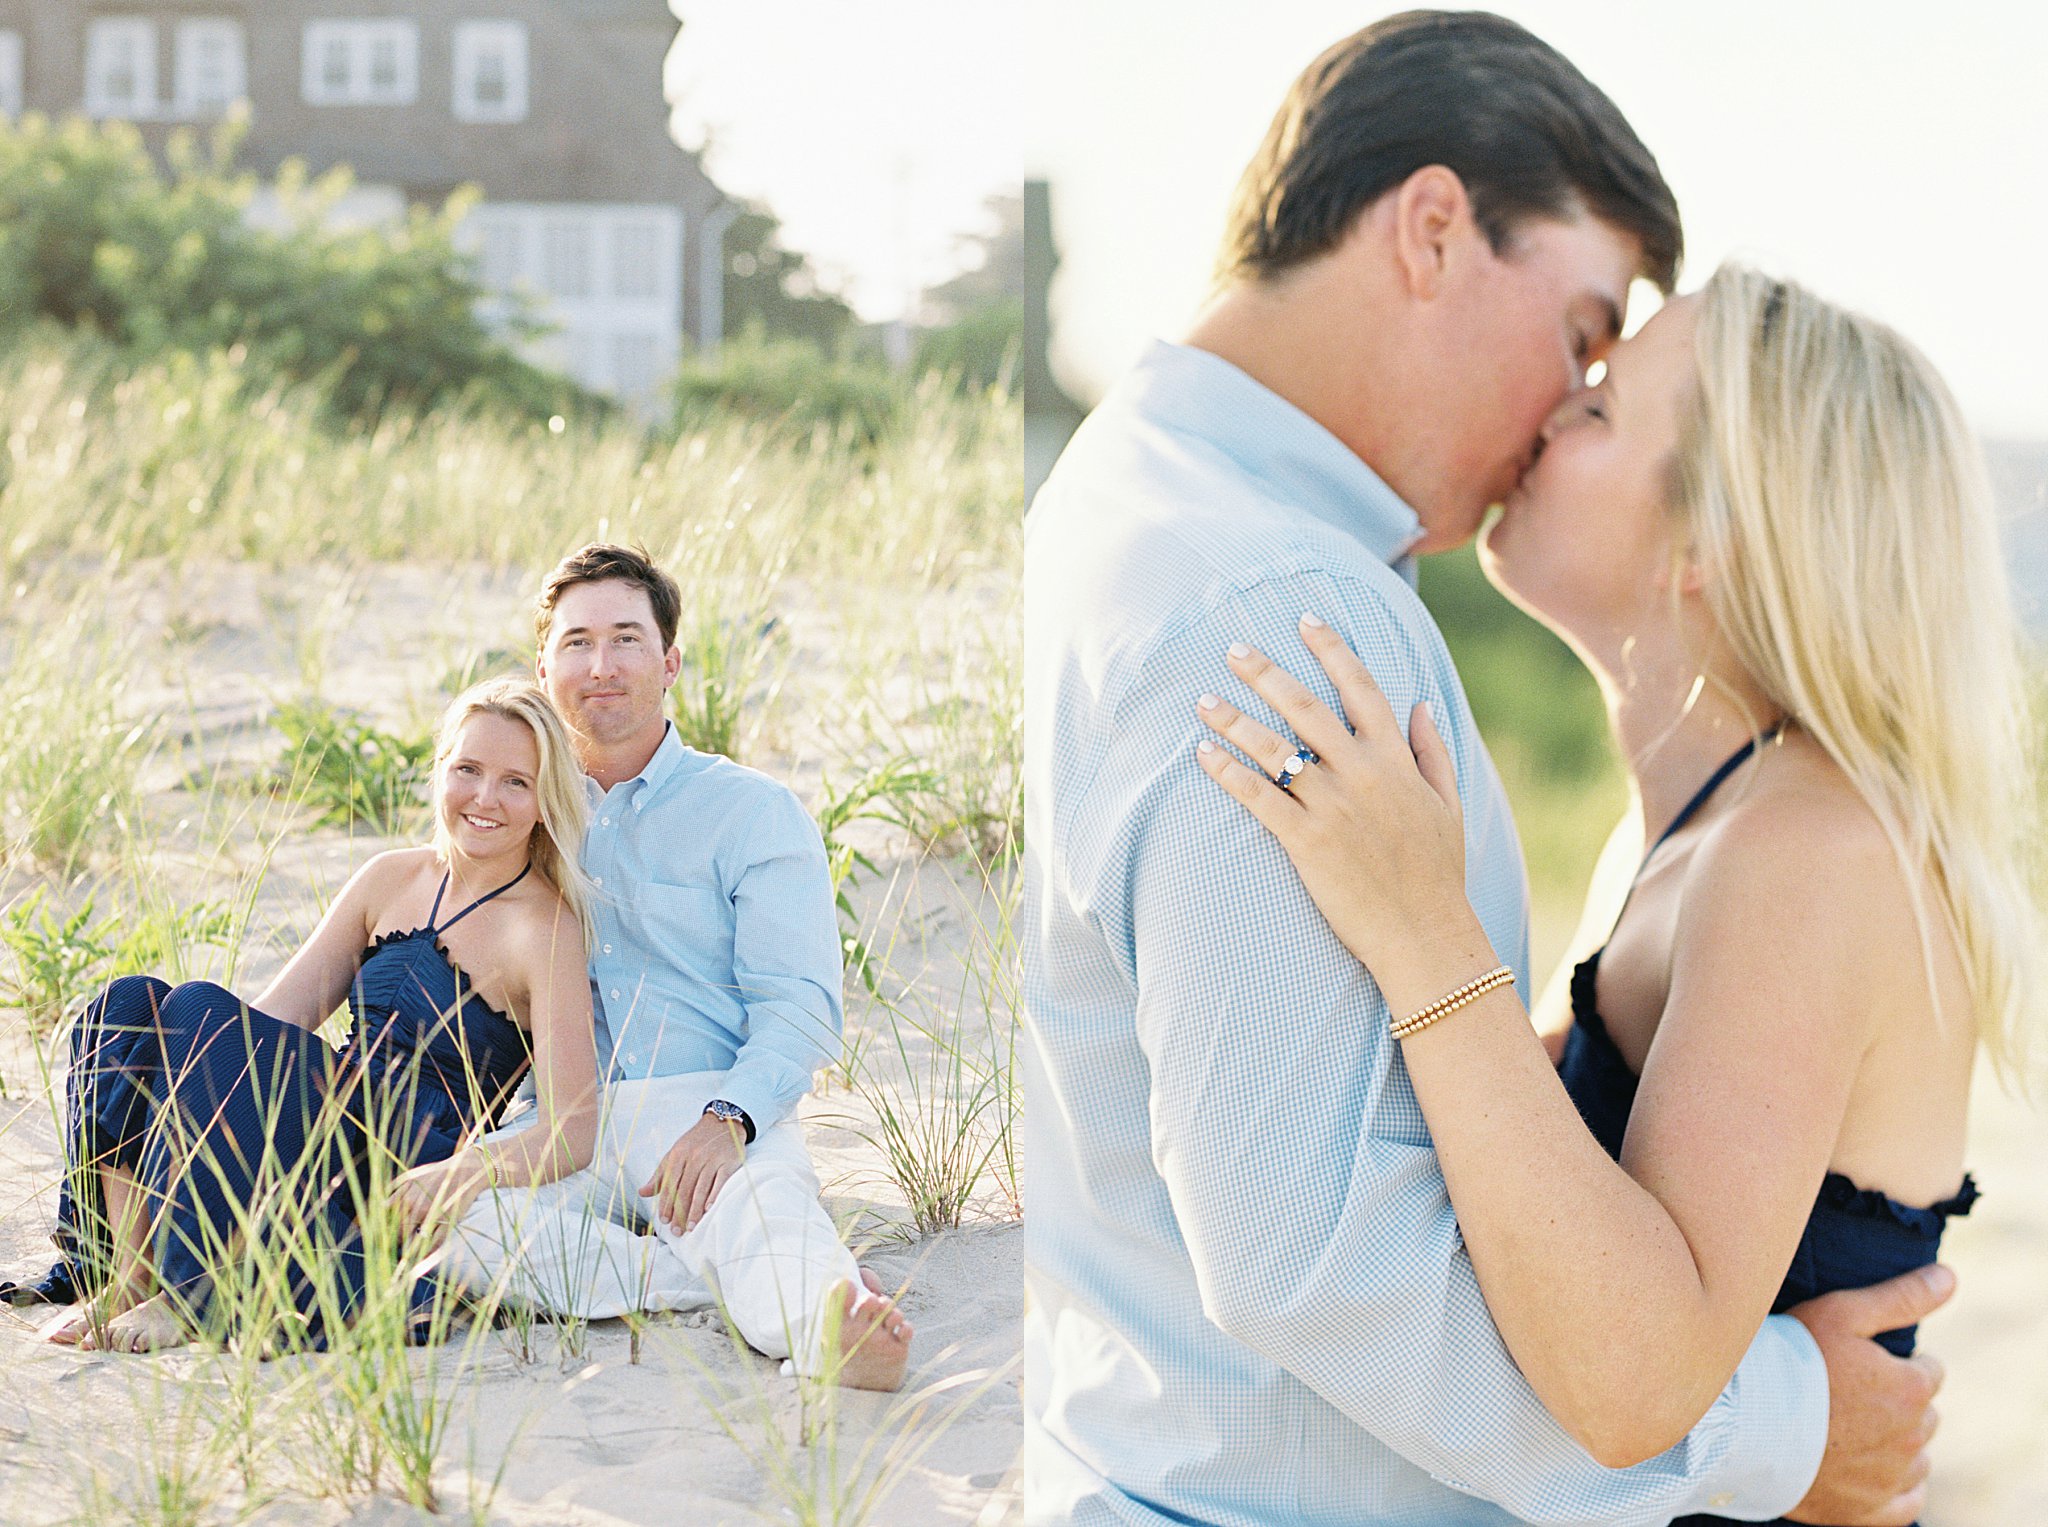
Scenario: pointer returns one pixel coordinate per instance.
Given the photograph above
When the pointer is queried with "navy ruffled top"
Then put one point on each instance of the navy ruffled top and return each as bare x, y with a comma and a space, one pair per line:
420, 1028
1854, 1236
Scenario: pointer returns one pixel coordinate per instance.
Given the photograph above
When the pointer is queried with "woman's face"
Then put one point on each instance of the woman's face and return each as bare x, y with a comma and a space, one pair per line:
1585, 541
487, 793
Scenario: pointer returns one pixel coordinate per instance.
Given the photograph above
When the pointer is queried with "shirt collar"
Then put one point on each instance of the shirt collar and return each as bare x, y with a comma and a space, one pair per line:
1183, 388
669, 753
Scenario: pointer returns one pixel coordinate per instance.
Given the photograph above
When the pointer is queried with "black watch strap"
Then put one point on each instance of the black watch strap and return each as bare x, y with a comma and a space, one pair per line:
732, 1113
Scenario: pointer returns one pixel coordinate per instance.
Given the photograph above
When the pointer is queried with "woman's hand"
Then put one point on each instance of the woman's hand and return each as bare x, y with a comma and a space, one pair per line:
1374, 827
431, 1199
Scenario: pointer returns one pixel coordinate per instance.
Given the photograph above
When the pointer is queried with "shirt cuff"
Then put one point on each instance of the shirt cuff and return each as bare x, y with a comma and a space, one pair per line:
1780, 1401
752, 1087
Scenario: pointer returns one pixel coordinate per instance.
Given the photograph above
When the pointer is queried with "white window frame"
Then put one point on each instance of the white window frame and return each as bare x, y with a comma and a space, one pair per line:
139, 33
360, 38
11, 77
474, 42
189, 37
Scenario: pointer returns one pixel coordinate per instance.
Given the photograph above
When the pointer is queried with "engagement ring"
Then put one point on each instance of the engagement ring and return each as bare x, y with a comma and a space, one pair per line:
1291, 770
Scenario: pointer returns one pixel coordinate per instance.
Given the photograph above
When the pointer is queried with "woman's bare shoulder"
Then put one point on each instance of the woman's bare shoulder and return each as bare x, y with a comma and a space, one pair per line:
1802, 851
546, 929
386, 875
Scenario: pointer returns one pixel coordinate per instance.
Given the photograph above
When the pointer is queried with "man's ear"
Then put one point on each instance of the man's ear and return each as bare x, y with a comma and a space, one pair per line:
1432, 210
671, 665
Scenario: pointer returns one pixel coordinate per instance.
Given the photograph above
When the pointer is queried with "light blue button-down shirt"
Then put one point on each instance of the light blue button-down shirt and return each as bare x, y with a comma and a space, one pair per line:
717, 942
1247, 1298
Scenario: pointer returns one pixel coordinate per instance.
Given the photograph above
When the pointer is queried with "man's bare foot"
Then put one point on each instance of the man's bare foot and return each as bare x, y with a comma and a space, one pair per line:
150, 1327
874, 1338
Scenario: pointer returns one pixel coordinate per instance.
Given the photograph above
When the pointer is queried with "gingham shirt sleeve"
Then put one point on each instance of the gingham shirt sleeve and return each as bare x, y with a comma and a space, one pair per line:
1295, 1156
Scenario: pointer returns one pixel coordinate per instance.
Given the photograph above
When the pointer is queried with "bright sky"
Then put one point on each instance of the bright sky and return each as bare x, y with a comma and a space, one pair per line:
1892, 155
875, 129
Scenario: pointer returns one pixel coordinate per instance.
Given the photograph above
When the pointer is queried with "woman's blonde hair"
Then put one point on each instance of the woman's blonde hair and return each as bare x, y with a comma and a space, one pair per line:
558, 787
1839, 508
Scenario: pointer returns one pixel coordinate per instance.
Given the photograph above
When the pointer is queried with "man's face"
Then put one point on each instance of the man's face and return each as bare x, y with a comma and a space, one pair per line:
1519, 330
604, 666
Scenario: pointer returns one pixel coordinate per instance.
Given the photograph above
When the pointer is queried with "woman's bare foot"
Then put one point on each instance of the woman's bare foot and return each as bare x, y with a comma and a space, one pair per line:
151, 1326
77, 1329
874, 1338
70, 1328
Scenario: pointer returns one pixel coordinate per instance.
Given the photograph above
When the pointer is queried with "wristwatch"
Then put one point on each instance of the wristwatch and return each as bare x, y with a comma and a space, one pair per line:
732, 1113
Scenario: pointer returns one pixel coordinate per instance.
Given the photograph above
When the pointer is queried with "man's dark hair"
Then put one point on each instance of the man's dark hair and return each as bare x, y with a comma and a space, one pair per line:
1507, 113
600, 562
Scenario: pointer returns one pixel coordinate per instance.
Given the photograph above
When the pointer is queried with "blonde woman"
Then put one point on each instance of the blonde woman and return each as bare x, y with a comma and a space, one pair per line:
1767, 534
462, 963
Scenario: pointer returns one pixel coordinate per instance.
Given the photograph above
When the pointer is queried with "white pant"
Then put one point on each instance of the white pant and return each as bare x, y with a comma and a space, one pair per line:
766, 1249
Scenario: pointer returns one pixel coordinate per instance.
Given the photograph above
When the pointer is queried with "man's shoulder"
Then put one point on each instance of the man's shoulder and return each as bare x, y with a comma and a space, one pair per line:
740, 800
1190, 541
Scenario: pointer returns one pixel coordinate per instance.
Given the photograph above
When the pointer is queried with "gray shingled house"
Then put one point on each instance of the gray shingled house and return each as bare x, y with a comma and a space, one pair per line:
553, 107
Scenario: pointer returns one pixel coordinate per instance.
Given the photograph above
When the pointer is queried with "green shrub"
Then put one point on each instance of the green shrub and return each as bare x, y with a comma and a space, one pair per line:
95, 236
351, 772
792, 384
61, 959
977, 350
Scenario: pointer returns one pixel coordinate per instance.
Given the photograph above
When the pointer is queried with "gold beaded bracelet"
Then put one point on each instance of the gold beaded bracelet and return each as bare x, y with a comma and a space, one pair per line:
1471, 991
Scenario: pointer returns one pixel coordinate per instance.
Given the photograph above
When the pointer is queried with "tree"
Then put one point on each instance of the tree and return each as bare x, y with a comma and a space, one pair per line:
980, 312
773, 291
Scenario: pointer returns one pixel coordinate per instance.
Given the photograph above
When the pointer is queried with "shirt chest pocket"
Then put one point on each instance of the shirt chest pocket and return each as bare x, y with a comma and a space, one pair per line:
688, 926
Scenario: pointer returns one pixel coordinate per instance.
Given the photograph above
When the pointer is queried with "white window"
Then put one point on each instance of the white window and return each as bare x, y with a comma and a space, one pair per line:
10, 73
360, 63
636, 259
490, 71
120, 67
607, 278
210, 65
565, 256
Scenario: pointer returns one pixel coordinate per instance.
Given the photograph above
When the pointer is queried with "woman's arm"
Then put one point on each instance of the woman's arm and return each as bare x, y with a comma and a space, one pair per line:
315, 981
563, 1136
1671, 1266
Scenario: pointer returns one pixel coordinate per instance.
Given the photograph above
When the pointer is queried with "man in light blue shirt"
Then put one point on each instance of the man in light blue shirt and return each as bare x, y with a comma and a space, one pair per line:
1247, 1300
715, 978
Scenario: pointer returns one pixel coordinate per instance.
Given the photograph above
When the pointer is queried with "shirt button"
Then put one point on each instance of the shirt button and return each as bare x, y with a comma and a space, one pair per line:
1725, 1498
605, 821
615, 992
607, 948
597, 880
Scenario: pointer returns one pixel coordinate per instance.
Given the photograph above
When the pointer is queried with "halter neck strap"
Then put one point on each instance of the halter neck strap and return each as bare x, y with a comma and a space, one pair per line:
1714, 782
433, 927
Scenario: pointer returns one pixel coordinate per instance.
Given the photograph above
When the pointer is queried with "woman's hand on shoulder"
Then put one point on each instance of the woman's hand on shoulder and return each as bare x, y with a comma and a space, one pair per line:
1373, 824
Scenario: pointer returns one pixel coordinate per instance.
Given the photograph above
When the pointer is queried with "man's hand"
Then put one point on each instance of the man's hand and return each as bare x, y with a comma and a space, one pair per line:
686, 1183
1880, 1407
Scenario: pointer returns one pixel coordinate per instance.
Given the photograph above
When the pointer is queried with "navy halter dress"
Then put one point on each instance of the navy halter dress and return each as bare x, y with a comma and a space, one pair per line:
217, 1109
1854, 1236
